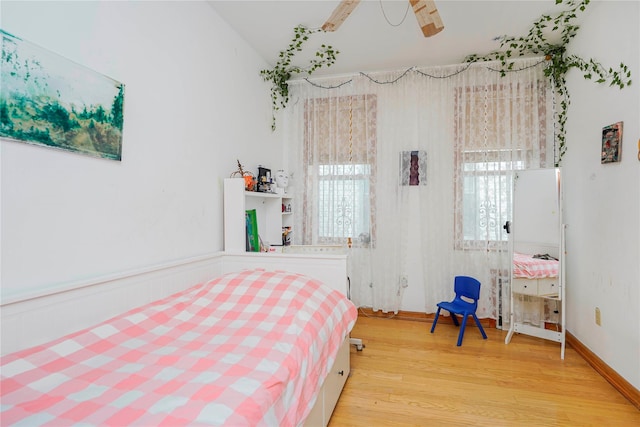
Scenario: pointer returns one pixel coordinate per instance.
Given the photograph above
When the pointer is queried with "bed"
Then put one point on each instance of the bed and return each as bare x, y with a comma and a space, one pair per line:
535, 274
535, 294
247, 348
534, 266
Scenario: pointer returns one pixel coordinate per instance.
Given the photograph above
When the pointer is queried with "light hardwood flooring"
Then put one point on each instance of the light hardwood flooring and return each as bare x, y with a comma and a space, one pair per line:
406, 376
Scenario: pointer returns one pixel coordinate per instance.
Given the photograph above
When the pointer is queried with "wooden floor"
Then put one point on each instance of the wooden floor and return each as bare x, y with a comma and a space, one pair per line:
406, 376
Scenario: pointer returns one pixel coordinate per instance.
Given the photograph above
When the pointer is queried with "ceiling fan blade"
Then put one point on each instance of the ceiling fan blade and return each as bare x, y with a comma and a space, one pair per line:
428, 16
340, 14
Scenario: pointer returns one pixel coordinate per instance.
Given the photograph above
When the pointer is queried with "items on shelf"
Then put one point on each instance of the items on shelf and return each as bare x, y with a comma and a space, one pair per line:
286, 236
264, 182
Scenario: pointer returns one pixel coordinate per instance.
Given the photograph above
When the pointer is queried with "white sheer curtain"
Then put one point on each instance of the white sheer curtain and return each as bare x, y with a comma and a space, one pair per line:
349, 138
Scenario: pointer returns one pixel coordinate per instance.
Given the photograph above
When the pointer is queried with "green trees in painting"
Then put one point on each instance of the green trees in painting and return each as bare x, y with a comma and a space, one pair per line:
41, 107
117, 109
58, 117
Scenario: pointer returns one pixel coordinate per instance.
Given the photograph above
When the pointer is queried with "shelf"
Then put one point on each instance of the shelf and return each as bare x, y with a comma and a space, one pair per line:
265, 195
269, 214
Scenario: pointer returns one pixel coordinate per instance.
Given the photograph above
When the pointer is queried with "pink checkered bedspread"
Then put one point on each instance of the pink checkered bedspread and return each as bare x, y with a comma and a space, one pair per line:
245, 349
525, 266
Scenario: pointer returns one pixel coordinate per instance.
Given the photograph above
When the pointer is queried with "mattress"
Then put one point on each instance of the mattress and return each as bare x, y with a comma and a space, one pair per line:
246, 349
534, 266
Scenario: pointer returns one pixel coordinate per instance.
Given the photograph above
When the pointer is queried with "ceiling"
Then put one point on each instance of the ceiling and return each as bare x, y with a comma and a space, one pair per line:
368, 42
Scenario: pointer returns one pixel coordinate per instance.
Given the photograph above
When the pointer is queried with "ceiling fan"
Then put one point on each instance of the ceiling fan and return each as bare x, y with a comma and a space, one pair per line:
425, 11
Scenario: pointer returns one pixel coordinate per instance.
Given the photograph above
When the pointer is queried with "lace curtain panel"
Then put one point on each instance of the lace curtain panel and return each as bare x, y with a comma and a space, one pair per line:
350, 142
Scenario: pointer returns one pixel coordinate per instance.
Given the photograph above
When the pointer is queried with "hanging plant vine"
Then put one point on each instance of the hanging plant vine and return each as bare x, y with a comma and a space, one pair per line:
283, 70
558, 62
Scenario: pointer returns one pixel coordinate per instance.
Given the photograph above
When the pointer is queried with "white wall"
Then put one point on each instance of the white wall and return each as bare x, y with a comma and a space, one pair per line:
194, 103
602, 202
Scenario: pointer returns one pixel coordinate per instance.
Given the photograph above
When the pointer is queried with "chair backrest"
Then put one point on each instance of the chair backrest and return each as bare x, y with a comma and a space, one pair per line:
468, 287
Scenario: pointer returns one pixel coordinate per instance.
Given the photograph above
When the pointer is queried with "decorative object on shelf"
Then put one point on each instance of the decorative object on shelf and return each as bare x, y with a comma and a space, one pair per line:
264, 246
413, 167
638, 149
249, 179
286, 236
611, 143
265, 180
240, 172
50, 101
283, 70
282, 181
249, 183
558, 63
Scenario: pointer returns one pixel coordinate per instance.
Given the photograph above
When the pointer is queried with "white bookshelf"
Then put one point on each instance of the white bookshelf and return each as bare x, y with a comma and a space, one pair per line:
269, 213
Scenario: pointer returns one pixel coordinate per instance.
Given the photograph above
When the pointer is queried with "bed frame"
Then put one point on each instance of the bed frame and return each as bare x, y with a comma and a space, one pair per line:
33, 319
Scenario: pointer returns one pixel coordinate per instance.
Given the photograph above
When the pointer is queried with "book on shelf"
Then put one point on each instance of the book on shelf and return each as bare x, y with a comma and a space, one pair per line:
252, 240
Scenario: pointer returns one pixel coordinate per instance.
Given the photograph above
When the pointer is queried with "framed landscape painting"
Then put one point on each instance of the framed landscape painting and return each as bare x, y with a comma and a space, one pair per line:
51, 101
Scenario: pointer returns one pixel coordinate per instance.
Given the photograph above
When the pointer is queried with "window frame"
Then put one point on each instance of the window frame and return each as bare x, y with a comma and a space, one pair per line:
462, 157
366, 140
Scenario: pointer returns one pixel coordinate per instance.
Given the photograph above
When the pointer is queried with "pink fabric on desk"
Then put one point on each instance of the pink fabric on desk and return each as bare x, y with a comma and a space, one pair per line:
246, 349
525, 266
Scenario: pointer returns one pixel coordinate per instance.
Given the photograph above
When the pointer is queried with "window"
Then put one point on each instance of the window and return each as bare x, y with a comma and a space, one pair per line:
340, 165
499, 129
486, 189
344, 202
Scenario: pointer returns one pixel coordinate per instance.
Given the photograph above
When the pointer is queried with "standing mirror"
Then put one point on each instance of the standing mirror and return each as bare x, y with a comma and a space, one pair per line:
537, 294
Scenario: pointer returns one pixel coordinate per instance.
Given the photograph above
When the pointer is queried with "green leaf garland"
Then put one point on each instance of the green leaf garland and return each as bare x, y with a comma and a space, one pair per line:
558, 63
283, 70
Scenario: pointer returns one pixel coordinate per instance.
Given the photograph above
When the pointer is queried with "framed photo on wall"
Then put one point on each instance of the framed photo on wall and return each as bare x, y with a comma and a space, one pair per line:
611, 143
413, 167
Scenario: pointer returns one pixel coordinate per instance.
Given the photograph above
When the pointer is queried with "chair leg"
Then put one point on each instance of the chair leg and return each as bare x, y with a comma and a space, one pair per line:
455, 319
480, 326
464, 325
435, 320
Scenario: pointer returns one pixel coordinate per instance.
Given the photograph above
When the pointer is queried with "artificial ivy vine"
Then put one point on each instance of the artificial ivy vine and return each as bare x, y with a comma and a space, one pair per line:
283, 70
558, 63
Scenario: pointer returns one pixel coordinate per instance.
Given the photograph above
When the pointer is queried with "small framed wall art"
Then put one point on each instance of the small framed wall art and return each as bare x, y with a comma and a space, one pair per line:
611, 143
413, 167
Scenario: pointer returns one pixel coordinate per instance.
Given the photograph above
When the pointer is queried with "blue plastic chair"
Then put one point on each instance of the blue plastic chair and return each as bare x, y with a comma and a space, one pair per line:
465, 303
